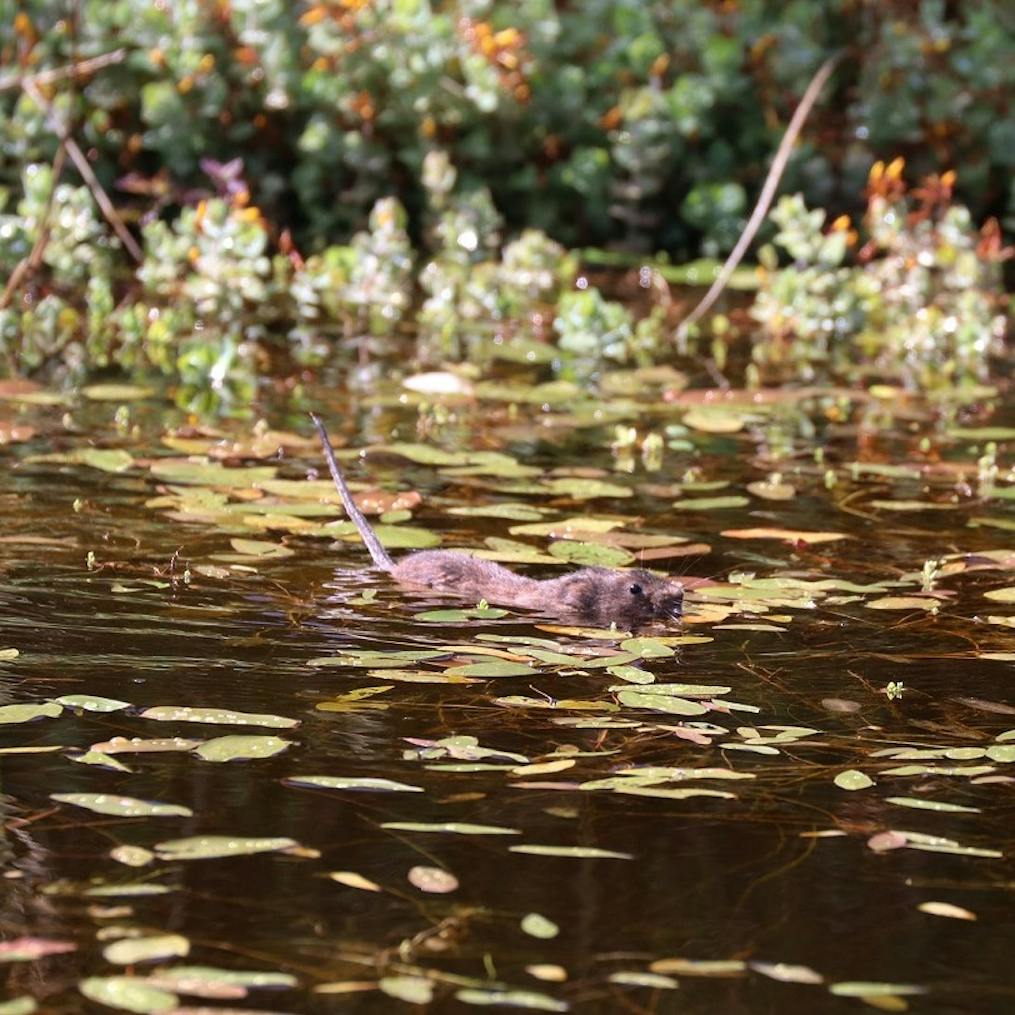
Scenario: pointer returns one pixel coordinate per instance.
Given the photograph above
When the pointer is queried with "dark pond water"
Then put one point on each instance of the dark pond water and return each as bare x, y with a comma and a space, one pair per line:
713, 855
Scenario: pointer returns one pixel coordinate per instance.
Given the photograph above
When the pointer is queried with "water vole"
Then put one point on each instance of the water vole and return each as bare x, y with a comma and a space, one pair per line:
594, 595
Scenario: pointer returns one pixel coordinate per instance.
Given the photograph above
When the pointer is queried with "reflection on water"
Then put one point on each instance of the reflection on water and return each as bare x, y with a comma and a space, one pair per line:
759, 862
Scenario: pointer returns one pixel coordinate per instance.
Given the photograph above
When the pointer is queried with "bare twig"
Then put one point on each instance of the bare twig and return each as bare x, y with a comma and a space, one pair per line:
768, 190
30, 263
79, 68
81, 163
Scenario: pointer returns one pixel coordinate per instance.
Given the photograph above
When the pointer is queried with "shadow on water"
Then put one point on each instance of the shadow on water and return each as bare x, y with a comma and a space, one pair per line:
711, 842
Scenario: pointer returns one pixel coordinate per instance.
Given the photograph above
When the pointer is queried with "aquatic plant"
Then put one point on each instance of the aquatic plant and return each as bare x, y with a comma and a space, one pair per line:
920, 302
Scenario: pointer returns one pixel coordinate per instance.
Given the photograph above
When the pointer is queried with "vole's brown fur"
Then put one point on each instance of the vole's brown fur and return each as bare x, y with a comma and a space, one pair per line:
594, 595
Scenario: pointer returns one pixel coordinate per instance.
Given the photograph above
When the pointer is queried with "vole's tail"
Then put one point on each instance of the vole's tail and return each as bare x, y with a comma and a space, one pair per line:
373, 544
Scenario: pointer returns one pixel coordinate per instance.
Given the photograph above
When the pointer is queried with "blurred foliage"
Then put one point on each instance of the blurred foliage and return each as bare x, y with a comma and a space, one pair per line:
920, 302
302, 170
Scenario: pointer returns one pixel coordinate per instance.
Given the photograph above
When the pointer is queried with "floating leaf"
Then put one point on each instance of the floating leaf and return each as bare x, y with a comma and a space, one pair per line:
863, 988
129, 951
412, 989
700, 967
128, 993
852, 779
353, 880
91, 703
548, 972
946, 909
23, 1005
919, 803
241, 748
537, 925
494, 668
570, 852
454, 616
786, 972
260, 548
450, 828
590, 554
217, 716
202, 979
203, 847
786, 535
122, 806
434, 880
1005, 595
710, 503
509, 999
660, 702
903, 603
717, 420
354, 783
132, 856
10, 714
653, 981
28, 949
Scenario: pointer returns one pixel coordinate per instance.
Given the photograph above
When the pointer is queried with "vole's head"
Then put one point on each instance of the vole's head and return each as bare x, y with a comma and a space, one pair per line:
629, 599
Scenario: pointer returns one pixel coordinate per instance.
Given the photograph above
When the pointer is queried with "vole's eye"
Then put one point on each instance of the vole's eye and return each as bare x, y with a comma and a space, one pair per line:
635, 590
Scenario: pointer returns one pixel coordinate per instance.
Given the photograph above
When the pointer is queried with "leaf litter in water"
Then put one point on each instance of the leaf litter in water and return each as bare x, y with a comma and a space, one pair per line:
946, 909
122, 806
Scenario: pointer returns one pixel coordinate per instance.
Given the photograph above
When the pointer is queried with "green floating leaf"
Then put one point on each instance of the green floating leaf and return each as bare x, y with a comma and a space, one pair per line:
493, 668
652, 981
710, 503
512, 512
921, 804
24, 1005
412, 989
122, 806
217, 716
537, 925
510, 999
190, 473
156, 948
353, 783
454, 616
700, 967
864, 988
241, 748
852, 779
10, 714
261, 549
128, 993
570, 852
450, 828
202, 847
138, 890
590, 554
211, 977
670, 704
104, 459
91, 703
132, 856
647, 648
1005, 595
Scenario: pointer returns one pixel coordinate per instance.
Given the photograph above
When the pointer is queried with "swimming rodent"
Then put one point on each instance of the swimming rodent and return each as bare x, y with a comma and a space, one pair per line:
595, 595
